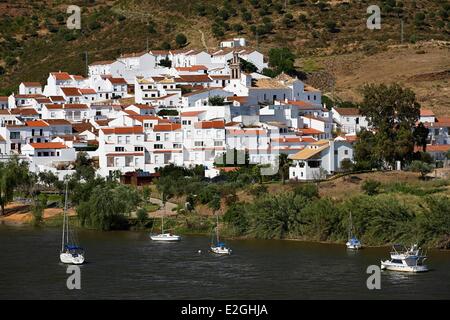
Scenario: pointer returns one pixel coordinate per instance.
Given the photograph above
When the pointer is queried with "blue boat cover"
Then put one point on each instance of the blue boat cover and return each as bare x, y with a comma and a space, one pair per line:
72, 247
220, 244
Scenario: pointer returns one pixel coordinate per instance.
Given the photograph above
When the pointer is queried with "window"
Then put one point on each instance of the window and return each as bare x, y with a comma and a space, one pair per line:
158, 146
177, 146
158, 137
119, 139
198, 143
138, 148
346, 152
218, 143
127, 139
120, 149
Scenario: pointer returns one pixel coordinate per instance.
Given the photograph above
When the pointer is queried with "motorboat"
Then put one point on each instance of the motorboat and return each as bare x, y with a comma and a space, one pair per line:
406, 260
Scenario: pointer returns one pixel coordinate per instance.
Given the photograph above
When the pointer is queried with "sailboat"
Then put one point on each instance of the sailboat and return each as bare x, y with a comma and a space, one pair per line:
70, 252
164, 236
219, 247
353, 243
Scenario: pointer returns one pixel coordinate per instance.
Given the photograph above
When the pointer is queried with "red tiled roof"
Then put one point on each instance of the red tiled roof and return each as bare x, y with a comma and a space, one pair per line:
57, 122
61, 76
32, 84
123, 130
217, 124
194, 78
48, 145
348, 111
75, 106
36, 123
71, 91
434, 148
306, 131
87, 91
24, 111
57, 98
117, 80
299, 103
426, 113
192, 68
167, 127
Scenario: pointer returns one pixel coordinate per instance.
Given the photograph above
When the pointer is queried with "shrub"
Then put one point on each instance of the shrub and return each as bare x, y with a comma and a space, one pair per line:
371, 187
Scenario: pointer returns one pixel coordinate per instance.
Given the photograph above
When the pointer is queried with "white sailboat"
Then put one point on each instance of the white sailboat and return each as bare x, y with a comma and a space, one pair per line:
164, 236
353, 243
70, 253
219, 247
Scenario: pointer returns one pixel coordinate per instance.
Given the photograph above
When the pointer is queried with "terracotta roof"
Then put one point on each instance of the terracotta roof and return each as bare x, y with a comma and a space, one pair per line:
36, 123
300, 104
217, 124
348, 111
240, 99
71, 91
426, 113
167, 127
142, 106
435, 148
117, 80
308, 131
159, 52
194, 78
61, 76
123, 130
191, 113
5, 111
87, 91
28, 96
57, 98
192, 68
57, 122
24, 111
75, 106
32, 84
308, 153
48, 145
43, 100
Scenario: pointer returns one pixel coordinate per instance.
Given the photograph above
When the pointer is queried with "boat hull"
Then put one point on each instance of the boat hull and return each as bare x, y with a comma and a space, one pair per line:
353, 246
221, 250
68, 258
165, 238
387, 265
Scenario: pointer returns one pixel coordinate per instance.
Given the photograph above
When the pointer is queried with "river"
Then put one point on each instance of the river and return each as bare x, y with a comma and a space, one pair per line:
128, 265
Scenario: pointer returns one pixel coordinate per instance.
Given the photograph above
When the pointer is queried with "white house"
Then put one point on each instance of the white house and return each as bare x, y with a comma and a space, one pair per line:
30, 88
349, 120
320, 158
48, 153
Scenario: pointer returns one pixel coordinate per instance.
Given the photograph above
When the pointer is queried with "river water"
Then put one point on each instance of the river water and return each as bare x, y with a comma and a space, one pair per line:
128, 265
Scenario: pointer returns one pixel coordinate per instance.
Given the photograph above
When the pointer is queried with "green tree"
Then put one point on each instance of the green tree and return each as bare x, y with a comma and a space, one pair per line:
181, 40
142, 217
371, 187
421, 167
421, 136
37, 209
216, 101
392, 111
283, 166
13, 175
282, 60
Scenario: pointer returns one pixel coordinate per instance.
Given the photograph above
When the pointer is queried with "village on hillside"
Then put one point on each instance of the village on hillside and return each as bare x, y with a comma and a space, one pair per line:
185, 107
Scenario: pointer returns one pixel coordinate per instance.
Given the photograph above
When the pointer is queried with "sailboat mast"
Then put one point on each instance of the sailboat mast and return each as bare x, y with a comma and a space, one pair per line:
64, 219
162, 224
217, 228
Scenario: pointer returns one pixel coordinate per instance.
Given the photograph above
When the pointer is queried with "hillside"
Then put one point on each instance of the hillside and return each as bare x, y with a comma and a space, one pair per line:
34, 39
